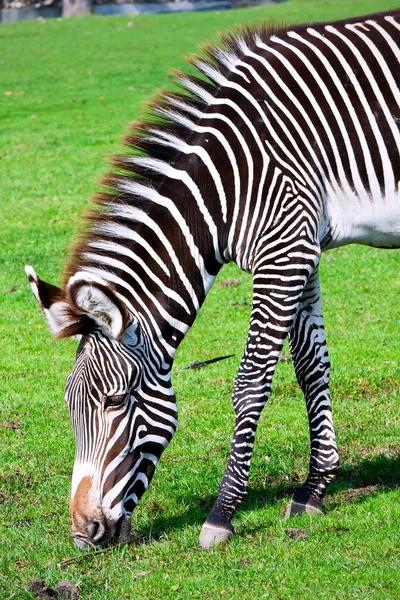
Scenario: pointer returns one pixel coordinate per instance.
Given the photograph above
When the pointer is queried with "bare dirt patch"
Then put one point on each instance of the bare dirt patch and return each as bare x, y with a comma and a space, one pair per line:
12, 425
230, 282
354, 494
65, 590
296, 533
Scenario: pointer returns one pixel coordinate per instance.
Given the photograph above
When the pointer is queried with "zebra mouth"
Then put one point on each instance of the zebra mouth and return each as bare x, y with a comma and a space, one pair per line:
112, 532
83, 542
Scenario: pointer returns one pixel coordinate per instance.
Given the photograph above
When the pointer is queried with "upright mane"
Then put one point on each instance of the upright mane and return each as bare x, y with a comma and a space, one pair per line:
163, 140
165, 123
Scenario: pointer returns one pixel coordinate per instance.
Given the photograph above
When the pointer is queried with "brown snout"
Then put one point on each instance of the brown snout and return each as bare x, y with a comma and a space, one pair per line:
100, 531
90, 525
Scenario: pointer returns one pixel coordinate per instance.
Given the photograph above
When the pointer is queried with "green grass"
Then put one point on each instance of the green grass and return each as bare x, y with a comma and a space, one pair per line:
67, 90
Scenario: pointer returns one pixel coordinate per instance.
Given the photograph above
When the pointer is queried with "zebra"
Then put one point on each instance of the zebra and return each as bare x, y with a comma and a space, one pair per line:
283, 145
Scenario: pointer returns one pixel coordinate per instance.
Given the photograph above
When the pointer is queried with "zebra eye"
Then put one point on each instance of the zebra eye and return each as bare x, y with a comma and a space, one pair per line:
114, 401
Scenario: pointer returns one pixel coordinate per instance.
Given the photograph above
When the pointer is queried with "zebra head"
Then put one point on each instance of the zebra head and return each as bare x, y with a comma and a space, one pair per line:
114, 394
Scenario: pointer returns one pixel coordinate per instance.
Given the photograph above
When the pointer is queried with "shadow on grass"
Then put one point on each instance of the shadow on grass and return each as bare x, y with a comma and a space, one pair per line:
354, 484
375, 473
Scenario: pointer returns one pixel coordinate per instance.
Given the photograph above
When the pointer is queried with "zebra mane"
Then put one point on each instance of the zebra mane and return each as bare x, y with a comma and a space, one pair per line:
156, 139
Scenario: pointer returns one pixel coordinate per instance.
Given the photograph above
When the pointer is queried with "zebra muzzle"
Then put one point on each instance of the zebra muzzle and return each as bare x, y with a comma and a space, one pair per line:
102, 531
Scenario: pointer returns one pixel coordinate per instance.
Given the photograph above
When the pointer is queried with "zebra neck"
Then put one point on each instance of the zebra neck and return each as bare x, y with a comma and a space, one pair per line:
159, 269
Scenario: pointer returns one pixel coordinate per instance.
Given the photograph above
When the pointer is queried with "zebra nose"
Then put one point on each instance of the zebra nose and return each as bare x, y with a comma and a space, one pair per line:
95, 531
99, 529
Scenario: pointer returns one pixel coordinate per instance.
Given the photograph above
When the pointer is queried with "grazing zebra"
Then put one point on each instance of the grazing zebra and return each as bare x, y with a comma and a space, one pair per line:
286, 145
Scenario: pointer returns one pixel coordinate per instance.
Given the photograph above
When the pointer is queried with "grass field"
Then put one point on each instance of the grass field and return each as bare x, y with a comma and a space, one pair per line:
67, 91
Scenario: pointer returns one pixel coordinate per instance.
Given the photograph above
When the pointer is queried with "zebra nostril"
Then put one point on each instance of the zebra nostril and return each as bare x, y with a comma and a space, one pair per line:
95, 530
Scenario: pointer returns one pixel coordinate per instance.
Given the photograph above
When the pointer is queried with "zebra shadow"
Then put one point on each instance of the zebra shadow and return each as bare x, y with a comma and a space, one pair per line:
355, 483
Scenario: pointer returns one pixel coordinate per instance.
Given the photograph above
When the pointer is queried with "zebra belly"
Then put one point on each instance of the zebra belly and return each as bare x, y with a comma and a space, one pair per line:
371, 223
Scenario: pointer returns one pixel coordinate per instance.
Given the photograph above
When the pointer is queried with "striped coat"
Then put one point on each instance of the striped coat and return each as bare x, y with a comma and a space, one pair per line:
285, 145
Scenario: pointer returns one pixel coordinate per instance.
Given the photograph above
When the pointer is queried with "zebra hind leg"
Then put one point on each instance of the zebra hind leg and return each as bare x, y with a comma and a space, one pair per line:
311, 363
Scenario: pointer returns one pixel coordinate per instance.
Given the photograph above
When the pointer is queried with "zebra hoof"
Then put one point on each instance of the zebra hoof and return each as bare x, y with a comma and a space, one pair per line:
211, 535
311, 508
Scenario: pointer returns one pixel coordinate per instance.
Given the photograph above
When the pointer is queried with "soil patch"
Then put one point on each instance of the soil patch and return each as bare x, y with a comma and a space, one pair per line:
65, 590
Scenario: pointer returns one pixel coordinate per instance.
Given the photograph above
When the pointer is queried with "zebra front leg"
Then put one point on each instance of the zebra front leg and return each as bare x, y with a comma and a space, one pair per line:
311, 363
233, 487
277, 292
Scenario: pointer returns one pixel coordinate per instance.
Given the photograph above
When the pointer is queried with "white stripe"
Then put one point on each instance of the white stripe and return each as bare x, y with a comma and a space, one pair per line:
388, 173
118, 249
173, 141
135, 214
164, 168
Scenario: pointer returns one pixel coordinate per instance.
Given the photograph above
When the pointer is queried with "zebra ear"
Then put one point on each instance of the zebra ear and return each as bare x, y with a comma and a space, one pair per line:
95, 298
52, 301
